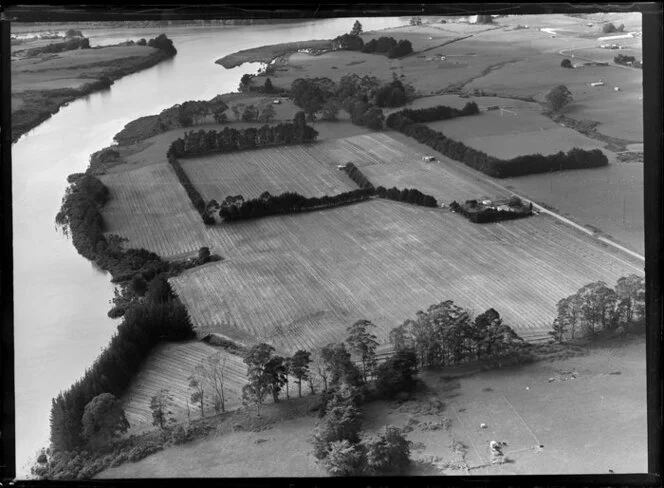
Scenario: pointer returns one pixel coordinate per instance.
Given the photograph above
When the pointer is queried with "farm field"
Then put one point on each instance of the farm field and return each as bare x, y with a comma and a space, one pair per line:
303, 169
515, 132
299, 281
608, 198
169, 366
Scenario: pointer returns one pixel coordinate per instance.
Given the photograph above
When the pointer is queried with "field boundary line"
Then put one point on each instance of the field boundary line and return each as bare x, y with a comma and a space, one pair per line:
465, 431
522, 420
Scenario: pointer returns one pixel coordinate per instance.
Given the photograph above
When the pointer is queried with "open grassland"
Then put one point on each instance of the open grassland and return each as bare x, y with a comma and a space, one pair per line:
41, 84
515, 132
169, 366
299, 281
301, 169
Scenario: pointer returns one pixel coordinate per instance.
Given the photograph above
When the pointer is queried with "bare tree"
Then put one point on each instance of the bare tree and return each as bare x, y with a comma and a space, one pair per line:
214, 371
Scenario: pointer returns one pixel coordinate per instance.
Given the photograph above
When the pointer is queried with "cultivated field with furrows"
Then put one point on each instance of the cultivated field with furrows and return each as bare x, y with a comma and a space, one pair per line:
299, 281
302, 169
169, 366
149, 207
388, 162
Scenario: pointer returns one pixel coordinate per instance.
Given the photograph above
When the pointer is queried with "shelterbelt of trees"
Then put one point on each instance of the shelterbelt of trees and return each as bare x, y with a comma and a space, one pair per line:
406, 122
408, 195
200, 143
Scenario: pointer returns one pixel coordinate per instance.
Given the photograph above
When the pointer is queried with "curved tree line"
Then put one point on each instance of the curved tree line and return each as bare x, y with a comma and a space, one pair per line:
575, 158
160, 316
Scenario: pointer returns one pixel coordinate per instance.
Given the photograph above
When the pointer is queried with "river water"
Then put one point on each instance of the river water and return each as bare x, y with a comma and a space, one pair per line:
60, 298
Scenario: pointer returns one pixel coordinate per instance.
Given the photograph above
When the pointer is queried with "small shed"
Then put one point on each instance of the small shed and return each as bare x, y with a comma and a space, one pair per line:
429, 159
276, 101
597, 83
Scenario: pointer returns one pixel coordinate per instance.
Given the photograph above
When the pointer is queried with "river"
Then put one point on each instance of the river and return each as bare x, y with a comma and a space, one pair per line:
60, 298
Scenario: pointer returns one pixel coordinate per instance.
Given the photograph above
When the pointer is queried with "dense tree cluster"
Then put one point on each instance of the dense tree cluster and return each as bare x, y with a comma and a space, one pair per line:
558, 97
58, 47
609, 28
446, 335
393, 94
348, 42
163, 43
397, 374
521, 165
596, 307
389, 46
481, 214
201, 143
566, 63
627, 61
146, 323
247, 85
194, 112
288, 202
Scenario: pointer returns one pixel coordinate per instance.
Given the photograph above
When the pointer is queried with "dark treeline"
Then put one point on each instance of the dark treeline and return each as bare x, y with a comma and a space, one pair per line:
247, 85
596, 307
481, 214
357, 176
389, 46
80, 217
288, 202
163, 43
200, 143
627, 61
406, 195
58, 47
499, 168
432, 114
159, 316
195, 197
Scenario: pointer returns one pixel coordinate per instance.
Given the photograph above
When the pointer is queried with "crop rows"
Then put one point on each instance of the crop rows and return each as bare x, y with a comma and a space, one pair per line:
149, 207
388, 162
299, 281
169, 366
301, 169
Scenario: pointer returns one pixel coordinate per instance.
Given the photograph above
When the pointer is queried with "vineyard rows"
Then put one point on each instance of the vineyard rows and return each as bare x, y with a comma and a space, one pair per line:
301, 169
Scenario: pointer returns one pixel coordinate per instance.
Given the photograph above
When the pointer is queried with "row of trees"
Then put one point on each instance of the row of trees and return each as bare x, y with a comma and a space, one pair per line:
521, 165
432, 114
159, 316
596, 307
58, 47
192, 192
200, 143
287, 202
407, 195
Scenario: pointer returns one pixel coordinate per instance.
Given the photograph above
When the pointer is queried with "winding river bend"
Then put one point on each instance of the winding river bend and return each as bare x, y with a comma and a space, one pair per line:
60, 298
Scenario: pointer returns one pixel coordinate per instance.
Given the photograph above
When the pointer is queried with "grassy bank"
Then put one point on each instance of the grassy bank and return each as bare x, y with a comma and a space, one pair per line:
34, 98
265, 54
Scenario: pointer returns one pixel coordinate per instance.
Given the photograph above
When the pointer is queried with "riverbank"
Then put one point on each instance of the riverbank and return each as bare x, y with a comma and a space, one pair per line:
266, 54
44, 83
